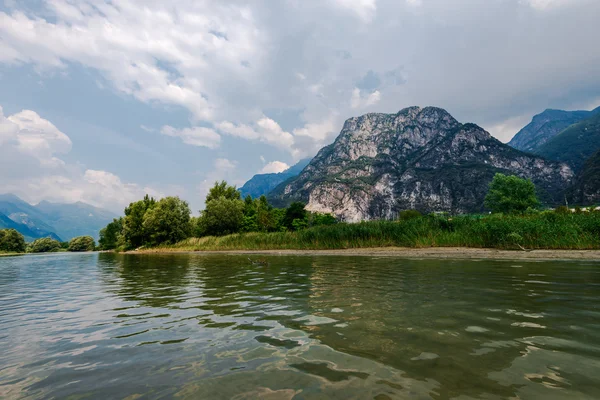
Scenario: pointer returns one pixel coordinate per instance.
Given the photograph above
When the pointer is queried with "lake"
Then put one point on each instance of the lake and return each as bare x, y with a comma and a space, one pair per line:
104, 326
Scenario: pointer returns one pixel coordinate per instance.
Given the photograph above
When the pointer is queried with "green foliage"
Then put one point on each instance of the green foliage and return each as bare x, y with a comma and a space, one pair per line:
511, 194
317, 219
82, 243
294, 211
546, 230
167, 221
222, 216
43, 245
299, 224
133, 231
562, 210
409, 214
12, 241
110, 236
222, 189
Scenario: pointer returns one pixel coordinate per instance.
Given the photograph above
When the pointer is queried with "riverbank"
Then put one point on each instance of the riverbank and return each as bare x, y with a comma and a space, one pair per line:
404, 252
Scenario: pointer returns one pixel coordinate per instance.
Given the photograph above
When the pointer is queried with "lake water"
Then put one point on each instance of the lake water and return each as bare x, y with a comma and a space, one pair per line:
105, 326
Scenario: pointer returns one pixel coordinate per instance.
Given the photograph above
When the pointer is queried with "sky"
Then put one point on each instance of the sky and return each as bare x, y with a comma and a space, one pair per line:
103, 101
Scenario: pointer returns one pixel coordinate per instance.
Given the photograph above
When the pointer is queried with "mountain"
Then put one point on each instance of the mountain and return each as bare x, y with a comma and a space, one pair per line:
263, 183
29, 233
575, 144
586, 189
59, 221
78, 219
545, 126
419, 158
30, 221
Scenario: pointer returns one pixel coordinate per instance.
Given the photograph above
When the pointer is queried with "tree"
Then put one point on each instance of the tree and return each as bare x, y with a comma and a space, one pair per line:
511, 194
168, 221
294, 211
110, 235
82, 243
43, 245
222, 189
133, 223
222, 216
12, 241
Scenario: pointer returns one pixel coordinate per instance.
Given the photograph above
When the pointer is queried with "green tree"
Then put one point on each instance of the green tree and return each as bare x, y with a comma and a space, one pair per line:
82, 243
222, 216
111, 235
317, 219
12, 241
511, 194
168, 221
43, 245
134, 235
294, 211
222, 189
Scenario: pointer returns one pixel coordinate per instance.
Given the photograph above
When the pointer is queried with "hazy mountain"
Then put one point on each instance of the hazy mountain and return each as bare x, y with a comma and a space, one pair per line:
30, 221
575, 144
78, 219
416, 159
60, 221
545, 126
263, 183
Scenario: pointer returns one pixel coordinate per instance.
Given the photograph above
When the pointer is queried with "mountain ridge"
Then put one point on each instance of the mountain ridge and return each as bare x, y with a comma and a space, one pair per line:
418, 158
261, 184
60, 221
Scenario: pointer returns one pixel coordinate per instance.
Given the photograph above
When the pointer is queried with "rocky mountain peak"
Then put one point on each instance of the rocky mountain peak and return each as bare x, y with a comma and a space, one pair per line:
419, 158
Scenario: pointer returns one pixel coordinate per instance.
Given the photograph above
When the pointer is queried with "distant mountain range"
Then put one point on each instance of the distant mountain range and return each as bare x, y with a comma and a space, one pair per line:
419, 158
262, 184
56, 220
546, 126
572, 137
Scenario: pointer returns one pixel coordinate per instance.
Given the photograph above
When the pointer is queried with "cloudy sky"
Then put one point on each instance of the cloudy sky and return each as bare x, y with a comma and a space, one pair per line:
105, 100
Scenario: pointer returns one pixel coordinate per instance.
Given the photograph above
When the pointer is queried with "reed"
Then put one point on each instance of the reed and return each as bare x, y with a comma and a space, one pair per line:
546, 230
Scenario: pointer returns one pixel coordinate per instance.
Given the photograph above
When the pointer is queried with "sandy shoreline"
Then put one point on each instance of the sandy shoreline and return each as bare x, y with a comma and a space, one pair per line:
401, 252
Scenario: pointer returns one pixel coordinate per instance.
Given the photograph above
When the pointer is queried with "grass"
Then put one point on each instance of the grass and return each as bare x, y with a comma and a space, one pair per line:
547, 230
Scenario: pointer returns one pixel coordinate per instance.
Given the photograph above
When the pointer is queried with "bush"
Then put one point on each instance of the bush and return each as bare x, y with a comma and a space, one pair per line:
82, 243
12, 241
409, 214
43, 245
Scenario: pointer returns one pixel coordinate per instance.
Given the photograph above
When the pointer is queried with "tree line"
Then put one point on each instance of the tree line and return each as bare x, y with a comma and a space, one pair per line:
11, 241
149, 222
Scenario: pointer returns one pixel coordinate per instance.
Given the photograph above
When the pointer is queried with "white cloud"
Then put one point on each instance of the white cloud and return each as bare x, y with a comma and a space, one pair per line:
30, 167
242, 131
197, 136
223, 169
274, 167
358, 100
365, 9
272, 133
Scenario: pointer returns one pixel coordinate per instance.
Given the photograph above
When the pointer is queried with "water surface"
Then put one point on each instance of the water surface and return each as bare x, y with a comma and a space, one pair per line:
100, 326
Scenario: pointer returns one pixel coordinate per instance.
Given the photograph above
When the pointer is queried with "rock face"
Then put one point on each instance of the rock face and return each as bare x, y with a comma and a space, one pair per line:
261, 184
545, 126
586, 189
419, 159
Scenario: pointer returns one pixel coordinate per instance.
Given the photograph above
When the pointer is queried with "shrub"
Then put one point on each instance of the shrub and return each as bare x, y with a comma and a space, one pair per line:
82, 243
43, 245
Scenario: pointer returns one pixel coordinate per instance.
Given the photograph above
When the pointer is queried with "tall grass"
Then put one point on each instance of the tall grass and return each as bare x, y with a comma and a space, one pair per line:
546, 230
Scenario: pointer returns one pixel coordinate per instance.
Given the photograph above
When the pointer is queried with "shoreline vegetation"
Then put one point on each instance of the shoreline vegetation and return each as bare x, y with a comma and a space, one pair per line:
229, 223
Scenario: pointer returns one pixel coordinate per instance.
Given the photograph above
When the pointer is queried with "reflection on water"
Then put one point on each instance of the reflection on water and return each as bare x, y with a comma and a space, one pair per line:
194, 326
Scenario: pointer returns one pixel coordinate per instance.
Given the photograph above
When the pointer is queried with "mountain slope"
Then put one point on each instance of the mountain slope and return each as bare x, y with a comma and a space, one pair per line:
416, 159
575, 144
60, 221
263, 183
30, 221
586, 189
78, 219
26, 231
545, 126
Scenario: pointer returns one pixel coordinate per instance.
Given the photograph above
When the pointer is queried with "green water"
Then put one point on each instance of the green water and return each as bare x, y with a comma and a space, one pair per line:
104, 326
